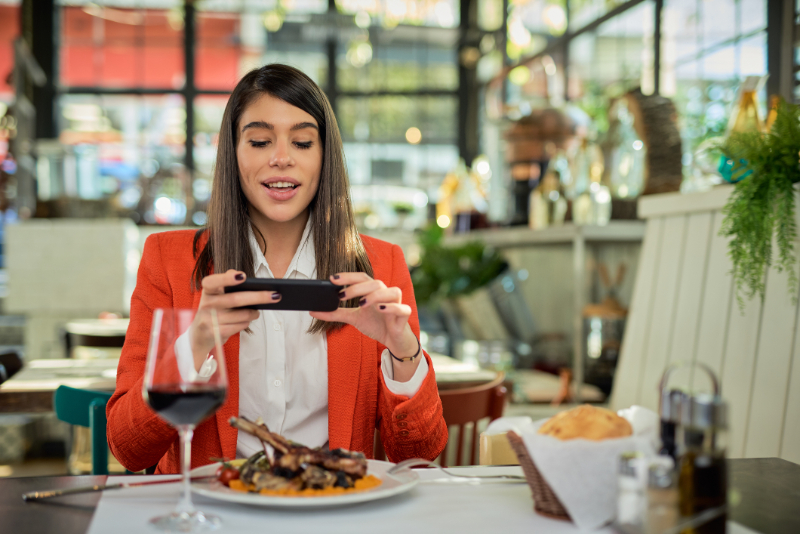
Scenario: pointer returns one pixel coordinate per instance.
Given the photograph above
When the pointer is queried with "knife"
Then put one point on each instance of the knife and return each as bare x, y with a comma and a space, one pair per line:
38, 495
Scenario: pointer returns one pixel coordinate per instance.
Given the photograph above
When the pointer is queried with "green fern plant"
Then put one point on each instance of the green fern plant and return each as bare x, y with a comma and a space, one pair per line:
762, 203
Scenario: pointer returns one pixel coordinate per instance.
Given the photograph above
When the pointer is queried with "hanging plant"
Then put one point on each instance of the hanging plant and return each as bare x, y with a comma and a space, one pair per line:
766, 165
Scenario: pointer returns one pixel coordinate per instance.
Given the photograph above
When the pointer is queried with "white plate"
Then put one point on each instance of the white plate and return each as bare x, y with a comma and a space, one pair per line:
392, 485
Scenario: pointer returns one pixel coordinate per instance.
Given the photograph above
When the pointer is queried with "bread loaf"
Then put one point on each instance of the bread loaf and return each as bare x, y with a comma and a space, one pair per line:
587, 422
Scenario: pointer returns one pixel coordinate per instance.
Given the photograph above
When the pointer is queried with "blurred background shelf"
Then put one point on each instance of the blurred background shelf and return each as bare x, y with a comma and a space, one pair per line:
559, 267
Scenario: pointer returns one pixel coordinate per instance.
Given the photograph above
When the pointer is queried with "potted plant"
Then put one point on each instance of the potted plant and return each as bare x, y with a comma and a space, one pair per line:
766, 168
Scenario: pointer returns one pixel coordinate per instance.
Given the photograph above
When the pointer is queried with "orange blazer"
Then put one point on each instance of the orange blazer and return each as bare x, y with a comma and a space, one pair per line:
358, 399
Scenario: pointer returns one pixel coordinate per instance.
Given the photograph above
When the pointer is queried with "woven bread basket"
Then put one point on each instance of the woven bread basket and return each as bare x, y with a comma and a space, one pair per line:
545, 502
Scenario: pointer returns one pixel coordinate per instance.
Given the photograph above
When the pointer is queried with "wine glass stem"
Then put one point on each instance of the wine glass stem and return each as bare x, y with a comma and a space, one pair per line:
185, 504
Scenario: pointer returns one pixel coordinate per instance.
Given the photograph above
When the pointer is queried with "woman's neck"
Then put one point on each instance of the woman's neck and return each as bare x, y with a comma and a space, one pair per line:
279, 241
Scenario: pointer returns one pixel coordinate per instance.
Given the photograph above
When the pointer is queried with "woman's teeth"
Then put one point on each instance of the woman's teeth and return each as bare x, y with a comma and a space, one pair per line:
281, 185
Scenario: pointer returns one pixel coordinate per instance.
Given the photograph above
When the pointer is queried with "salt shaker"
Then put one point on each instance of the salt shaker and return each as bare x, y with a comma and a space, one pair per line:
662, 497
631, 485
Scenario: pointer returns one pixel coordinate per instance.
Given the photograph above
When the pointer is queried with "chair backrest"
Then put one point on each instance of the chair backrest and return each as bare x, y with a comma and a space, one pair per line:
99, 333
87, 408
10, 363
684, 309
470, 405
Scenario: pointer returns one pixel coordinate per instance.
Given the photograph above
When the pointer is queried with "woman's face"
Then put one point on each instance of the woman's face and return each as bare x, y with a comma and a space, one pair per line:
280, 159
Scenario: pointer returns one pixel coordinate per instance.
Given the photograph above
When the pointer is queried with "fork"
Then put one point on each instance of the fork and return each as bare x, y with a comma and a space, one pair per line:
421, 462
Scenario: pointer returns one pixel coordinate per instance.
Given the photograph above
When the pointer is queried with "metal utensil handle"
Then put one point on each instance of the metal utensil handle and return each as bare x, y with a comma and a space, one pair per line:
421, 462
37, 495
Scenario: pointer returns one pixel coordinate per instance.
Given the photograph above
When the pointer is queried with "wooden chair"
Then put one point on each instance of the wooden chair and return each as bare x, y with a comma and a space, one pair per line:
86, 408
470, 405
462, 406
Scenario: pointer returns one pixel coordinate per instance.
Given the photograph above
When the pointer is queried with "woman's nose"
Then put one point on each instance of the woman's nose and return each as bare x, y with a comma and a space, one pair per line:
280, 157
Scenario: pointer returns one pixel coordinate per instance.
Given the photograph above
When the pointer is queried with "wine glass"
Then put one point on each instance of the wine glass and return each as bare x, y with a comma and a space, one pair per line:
185, 382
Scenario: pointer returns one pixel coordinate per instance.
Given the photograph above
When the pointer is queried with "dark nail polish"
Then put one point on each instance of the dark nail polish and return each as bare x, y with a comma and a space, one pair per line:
382, 306
240, 277
276, 296
335, 276
362, 302
341, 293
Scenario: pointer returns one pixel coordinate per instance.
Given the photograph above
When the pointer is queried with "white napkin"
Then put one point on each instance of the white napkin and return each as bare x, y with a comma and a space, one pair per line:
583, 473
520, 425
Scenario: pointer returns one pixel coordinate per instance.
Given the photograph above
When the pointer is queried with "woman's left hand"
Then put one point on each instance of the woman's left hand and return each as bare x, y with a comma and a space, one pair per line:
381, 314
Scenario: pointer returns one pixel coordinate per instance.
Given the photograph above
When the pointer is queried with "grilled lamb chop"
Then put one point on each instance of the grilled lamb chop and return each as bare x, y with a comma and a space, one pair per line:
291, 457
267, 480
257, 463
317, 478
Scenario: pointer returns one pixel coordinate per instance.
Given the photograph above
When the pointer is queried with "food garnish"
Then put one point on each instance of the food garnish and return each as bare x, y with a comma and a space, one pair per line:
297, 470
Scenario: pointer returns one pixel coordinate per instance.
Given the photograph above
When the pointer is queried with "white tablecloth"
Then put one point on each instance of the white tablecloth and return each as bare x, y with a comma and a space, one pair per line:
430, 507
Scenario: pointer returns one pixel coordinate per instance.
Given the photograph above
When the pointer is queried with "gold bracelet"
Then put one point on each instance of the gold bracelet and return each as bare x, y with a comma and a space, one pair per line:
409, 358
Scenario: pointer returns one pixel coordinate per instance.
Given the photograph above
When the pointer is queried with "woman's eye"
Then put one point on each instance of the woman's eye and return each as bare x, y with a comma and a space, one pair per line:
303, 146
258, 144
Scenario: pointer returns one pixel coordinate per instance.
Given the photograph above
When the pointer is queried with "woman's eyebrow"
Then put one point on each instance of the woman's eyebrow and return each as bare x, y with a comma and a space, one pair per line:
258, 124
302, 125
268, 126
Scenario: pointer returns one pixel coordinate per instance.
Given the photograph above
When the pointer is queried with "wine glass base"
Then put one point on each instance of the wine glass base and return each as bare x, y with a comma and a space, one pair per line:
186, 522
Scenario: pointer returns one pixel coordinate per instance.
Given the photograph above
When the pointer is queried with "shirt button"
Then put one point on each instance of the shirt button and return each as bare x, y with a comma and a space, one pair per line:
404, 433
402, 424
276, 326
400, 416
277, 383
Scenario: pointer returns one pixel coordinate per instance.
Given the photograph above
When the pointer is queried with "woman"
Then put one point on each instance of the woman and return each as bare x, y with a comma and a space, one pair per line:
280, 207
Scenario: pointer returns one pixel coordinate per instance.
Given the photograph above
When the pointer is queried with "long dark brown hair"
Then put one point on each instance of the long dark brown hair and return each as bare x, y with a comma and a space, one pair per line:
337, 245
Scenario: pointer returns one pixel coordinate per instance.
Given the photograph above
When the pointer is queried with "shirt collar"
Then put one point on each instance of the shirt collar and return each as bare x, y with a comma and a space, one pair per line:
304, 260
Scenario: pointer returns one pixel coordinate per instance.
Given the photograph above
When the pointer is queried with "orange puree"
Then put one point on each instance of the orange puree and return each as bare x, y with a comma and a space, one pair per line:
368, 482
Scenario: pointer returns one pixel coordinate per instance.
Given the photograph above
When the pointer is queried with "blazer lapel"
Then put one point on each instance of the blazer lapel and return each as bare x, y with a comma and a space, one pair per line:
344, 369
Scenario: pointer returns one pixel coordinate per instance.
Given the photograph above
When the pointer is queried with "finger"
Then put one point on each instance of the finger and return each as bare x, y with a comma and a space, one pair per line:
348, 279
340, 315
382, 296
214, 284
242, 298
361, 289
398, 310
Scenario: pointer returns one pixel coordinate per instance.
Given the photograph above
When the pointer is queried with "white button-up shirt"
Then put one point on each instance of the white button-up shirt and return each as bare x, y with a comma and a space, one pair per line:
283, 370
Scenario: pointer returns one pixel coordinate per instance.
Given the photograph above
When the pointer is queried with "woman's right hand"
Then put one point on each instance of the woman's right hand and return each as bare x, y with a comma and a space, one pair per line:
231, 321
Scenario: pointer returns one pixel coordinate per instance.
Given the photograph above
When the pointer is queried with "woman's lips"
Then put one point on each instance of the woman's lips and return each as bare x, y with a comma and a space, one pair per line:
284, 193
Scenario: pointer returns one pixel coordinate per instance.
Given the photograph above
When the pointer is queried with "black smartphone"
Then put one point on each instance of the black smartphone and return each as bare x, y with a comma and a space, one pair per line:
297, 295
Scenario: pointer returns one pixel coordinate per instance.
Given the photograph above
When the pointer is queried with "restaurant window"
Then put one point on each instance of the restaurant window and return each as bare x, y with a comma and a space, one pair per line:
611, 60
407, 59
9, 30
708, 49
396, 93
121, 45
443, 14
582, 12
126, 148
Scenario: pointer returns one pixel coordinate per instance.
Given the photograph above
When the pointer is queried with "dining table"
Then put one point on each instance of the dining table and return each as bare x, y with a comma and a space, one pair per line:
764, 493
31, 389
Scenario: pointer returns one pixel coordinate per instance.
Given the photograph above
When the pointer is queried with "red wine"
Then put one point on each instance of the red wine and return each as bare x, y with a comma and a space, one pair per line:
187, 407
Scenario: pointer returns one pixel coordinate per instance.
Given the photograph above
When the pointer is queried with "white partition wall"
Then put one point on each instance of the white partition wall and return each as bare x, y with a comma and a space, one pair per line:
64, 269
683, 309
